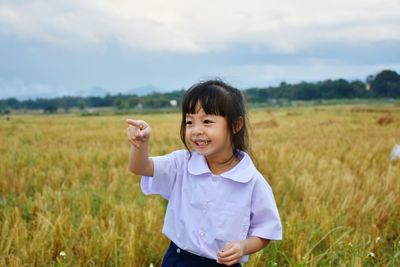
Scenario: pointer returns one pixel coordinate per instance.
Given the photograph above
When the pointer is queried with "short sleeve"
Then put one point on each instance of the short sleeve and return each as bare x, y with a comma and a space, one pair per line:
265, 220
165, 170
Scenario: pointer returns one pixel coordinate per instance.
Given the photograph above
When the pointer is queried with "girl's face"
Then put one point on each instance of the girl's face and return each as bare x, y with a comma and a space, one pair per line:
209, 135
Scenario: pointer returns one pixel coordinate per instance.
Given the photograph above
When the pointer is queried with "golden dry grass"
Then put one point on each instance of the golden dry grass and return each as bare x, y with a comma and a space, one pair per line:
65, 187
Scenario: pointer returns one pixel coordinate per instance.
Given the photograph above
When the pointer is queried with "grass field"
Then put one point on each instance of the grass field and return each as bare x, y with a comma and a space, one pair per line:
67, 198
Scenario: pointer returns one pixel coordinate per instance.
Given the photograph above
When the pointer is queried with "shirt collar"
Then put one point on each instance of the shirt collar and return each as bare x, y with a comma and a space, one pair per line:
242, 172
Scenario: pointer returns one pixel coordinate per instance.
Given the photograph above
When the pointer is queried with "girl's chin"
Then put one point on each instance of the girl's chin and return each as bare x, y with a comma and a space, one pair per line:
201, 150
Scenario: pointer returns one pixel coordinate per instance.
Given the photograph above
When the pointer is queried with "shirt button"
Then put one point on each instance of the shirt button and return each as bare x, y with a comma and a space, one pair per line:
214, 178
202, 234
178, 250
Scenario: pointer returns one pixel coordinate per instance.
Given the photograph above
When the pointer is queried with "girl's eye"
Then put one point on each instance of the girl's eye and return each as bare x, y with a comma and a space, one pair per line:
208, 121
188, 122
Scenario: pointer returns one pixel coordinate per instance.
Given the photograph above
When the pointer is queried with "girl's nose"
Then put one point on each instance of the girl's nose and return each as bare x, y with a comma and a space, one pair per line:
197, 130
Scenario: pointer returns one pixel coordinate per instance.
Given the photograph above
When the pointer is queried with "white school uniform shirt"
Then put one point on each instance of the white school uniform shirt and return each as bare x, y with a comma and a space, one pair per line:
205, 211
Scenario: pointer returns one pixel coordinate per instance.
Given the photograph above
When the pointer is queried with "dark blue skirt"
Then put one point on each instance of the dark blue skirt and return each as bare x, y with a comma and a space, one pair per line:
177, 257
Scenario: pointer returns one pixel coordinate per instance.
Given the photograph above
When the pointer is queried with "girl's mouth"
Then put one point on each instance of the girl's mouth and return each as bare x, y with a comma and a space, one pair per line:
201, 142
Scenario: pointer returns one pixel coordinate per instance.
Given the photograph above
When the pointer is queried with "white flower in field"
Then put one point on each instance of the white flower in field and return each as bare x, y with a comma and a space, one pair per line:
377, 239
151, 265
62, 254
371, 254
395, 154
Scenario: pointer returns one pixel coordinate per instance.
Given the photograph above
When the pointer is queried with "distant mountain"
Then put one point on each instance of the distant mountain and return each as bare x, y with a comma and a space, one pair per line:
40, 95
94, 91
26, 96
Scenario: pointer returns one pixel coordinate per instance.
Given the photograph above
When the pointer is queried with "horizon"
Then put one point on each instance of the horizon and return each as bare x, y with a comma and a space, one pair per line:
104, 92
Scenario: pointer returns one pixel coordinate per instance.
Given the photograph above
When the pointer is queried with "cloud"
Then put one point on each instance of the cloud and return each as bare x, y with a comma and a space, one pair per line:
201, 26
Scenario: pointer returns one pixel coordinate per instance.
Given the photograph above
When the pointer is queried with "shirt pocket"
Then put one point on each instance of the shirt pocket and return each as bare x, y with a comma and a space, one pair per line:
232, 222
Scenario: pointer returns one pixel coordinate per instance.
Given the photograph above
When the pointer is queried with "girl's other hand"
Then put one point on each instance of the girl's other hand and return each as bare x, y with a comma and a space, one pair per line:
138, 132
231, 253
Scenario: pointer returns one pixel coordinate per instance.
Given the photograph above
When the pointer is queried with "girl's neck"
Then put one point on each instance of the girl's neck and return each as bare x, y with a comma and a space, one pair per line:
218, 166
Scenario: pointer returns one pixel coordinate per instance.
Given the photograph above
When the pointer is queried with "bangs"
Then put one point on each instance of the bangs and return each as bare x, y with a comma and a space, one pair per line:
211, 98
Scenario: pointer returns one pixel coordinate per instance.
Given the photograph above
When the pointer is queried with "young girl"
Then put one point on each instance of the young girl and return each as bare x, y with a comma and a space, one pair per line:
220, 208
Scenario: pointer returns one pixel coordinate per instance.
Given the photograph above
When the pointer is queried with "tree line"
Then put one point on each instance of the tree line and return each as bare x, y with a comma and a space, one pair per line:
385, 84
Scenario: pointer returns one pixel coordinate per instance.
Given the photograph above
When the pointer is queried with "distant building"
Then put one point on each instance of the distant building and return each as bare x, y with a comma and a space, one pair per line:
173, 102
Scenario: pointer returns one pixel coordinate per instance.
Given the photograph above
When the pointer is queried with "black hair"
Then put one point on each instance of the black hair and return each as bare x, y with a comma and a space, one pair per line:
221, 99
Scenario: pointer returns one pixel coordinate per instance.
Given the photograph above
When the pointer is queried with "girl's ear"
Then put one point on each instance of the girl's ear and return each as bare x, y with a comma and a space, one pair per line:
238, 125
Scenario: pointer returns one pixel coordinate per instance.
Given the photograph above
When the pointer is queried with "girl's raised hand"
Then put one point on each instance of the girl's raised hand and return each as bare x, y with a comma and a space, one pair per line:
138, 132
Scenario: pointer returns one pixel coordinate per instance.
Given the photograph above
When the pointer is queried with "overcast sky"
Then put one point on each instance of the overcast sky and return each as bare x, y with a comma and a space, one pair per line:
68, 47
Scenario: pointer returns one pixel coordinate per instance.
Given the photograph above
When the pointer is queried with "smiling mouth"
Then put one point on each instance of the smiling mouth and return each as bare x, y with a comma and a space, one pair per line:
200, 142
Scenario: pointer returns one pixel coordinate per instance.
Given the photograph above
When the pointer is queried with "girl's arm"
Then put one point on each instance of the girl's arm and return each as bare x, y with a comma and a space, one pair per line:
138, 133
234, 251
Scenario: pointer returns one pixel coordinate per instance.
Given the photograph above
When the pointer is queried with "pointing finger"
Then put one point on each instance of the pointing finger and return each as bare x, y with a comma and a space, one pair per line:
137, 123
133, 122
